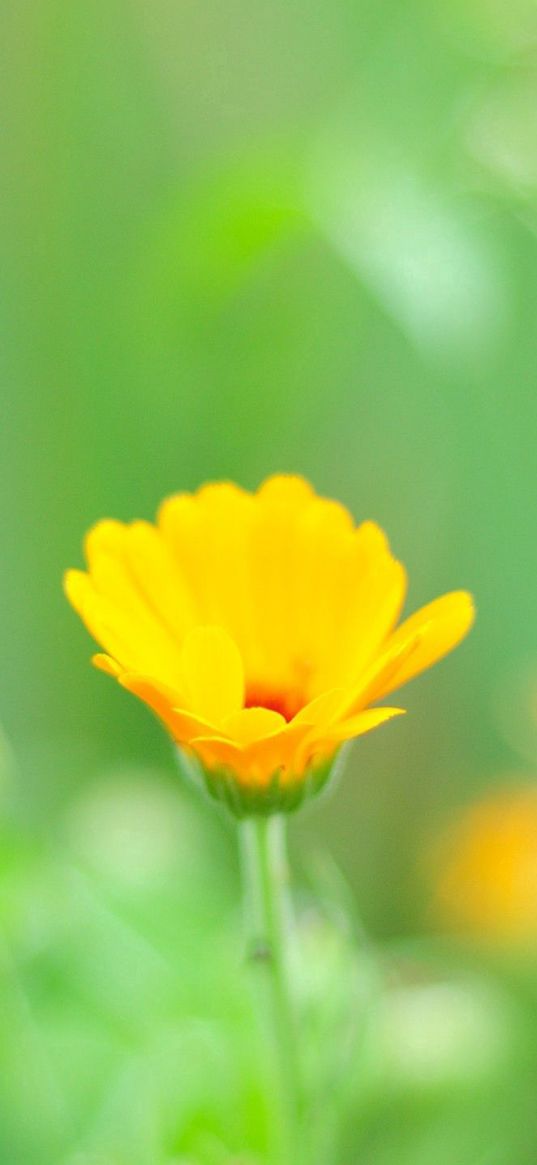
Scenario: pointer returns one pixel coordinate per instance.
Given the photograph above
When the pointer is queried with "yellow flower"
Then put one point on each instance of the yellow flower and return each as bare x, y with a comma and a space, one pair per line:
260, 629
486, 867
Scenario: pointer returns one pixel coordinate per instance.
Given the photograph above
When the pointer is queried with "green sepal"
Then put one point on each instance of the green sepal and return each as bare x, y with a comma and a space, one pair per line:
278, 796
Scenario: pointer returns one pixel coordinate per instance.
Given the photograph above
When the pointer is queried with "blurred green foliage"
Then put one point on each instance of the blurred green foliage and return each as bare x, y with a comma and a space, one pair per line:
237, 239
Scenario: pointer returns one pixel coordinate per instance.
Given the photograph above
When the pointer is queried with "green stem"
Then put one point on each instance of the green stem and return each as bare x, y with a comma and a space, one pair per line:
269, 931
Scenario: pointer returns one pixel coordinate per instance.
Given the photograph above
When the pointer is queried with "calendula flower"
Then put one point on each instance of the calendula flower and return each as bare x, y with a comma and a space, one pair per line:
485, 867
260, 628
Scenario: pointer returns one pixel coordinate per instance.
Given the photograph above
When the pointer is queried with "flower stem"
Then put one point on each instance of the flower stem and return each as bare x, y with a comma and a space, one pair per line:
268, 917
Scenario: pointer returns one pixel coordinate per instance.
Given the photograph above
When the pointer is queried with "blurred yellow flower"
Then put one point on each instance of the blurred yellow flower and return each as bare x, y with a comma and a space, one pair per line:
486, 867
259, 627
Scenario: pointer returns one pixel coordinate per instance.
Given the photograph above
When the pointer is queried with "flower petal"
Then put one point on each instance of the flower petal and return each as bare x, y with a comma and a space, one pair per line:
253, 724
431, 633
183, 725
106, 663
378, 595
207, 534
359, 724
322, 741
218, 751
153, 692
287, 489
111, 599
159, 578
212, 674
127, 632
278, 584
324, 709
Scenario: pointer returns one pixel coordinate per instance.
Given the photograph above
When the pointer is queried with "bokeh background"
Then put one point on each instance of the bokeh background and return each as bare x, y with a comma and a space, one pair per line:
240, 239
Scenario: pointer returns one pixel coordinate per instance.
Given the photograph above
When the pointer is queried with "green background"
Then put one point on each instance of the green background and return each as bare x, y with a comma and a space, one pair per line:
238, 239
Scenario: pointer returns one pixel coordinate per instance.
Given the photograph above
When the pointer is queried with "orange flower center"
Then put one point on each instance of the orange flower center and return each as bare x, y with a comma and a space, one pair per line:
287, 702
